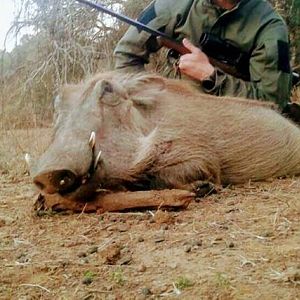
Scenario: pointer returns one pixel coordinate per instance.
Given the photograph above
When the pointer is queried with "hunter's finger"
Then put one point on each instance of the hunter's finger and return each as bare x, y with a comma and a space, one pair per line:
187, 57
184, 65
187, 44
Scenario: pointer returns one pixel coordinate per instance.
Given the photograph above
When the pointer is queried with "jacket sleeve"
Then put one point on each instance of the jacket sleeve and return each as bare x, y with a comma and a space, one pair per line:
133, 50
270, 74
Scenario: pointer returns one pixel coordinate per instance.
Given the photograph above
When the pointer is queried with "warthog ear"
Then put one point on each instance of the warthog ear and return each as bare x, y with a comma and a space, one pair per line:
104, 92
145, 89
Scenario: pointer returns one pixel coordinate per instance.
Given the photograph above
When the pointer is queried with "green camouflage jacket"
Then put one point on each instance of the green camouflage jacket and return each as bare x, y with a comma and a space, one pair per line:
253, 25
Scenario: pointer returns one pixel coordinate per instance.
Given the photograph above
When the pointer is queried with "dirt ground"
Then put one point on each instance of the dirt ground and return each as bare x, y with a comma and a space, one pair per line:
243, 243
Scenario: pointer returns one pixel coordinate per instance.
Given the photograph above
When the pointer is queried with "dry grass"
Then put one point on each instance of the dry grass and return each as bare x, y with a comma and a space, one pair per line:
296, 95
14, 144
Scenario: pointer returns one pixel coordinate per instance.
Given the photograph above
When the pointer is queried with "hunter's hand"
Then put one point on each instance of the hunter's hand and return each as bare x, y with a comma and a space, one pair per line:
196, 63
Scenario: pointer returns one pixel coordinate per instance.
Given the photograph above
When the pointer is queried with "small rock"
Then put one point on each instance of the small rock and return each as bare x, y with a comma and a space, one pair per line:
164, 288
124, 249
82, 254
109, 288
197, 243
163, 217
5, 221
173, 265
112, 228
85, 260
123, 228
111, 254
146, 292
164, 227
232, 210
93, 250
294, 277
20, 255
267, 234
87, 280
187, 249
22, 258
159, 289
142, 268
140, 239
159, 239
113, 218
64, 263
231, 245
126, 260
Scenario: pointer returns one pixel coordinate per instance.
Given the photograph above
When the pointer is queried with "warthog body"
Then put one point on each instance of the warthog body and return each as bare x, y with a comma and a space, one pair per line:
160, 133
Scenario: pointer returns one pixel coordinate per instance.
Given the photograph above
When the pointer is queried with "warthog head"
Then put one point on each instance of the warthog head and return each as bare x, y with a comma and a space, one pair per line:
97, 126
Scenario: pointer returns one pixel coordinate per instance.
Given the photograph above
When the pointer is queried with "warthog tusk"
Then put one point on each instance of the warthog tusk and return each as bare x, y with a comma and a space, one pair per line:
28, 160
92, 140
97, 159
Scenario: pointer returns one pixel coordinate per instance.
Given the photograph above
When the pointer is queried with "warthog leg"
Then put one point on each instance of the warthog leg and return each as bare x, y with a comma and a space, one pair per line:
201, 188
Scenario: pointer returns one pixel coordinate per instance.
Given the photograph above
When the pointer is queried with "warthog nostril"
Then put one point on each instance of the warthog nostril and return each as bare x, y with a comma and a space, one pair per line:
56, 181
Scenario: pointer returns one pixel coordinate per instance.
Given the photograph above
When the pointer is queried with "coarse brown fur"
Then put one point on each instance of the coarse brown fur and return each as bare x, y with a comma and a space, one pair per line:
165, 131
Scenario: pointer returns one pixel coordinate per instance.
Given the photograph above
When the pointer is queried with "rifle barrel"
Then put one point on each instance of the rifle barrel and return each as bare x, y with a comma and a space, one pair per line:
125, 19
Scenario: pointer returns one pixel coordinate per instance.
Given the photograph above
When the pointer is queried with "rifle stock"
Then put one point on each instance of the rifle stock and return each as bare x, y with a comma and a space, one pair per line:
171, 44
179, 48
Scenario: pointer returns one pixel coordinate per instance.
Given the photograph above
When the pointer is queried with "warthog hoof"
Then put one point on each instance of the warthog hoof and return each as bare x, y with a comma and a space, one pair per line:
202, 188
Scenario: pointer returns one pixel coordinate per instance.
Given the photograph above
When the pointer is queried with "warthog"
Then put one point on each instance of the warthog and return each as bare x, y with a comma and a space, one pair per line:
143, 131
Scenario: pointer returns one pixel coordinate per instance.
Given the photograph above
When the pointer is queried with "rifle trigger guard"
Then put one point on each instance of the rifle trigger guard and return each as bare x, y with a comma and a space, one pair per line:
173, 54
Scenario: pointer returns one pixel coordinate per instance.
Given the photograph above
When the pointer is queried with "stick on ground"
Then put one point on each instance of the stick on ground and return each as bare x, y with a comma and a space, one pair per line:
118, 201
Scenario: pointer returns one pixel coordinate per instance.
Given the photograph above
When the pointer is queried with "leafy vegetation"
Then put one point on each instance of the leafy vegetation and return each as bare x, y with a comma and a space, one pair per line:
183, 282
88, 277
118, 276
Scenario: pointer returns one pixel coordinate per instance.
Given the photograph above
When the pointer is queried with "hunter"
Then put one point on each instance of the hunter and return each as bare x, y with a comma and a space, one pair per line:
252, 25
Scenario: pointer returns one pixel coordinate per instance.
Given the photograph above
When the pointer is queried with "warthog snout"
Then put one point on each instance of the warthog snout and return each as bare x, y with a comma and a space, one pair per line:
58, 181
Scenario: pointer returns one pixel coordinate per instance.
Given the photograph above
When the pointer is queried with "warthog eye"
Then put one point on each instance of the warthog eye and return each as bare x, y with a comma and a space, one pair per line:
106, 87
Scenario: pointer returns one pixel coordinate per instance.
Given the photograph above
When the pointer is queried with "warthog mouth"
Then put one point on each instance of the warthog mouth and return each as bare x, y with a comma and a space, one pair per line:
68, 184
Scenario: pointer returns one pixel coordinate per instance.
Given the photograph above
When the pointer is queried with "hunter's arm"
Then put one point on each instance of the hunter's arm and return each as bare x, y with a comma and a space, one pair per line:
133, 50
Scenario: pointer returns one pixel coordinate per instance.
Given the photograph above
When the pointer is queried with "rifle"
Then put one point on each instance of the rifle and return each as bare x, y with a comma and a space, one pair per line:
221, 53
